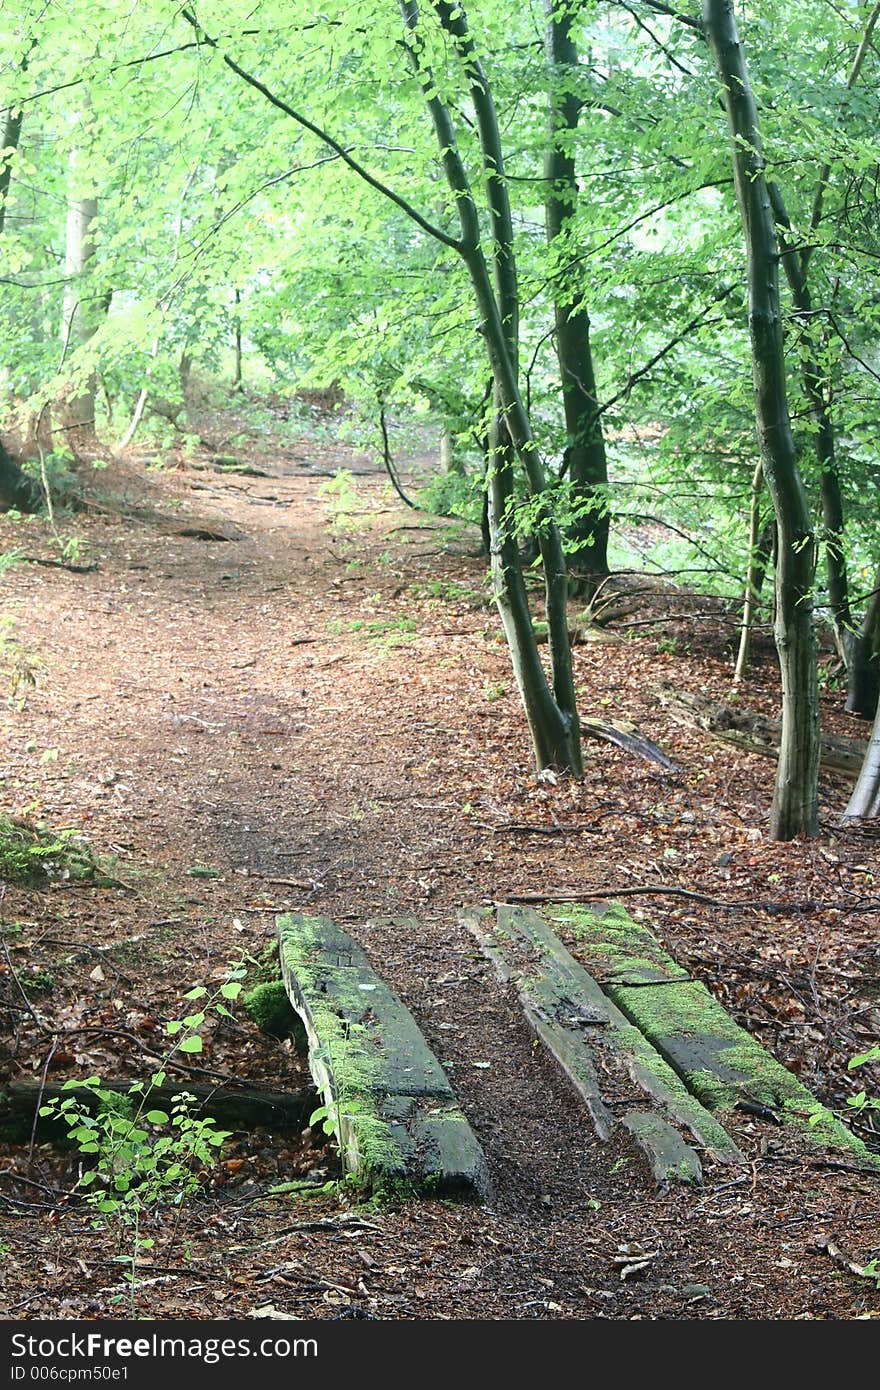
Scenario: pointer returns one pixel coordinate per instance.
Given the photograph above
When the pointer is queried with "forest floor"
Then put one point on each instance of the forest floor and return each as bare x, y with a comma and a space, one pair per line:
317, 713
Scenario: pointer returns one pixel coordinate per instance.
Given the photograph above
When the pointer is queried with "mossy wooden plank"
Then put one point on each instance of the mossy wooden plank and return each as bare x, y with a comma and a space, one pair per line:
577, 1022
719, 1062
396, 1117
670, 1159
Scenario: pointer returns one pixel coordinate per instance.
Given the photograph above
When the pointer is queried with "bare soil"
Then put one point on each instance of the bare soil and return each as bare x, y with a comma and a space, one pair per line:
319, 709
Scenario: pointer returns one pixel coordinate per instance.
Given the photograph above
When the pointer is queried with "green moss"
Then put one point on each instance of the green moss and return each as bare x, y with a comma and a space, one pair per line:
343, 1057
719, 1062
268, 1006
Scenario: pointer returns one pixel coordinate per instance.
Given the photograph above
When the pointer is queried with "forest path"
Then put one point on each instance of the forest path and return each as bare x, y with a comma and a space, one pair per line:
319, 712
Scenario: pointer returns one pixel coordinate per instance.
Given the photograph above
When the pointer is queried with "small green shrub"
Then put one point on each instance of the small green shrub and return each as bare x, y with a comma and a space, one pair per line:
30, 853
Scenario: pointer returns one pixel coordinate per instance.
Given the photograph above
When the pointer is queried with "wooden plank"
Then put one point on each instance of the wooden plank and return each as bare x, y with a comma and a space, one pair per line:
719, 1062
579, 1024
670, 1159
393, 1110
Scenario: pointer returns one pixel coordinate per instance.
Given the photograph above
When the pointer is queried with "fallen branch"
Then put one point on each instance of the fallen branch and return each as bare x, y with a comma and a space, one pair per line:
627, 736
58, 564
516, 829
753, 732
239, 1108
562, 895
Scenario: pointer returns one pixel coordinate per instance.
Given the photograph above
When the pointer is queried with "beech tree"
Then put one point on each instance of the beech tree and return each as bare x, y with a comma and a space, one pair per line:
795, 799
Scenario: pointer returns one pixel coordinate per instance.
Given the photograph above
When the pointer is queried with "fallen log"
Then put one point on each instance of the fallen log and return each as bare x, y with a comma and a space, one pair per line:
754, 732
239, 1108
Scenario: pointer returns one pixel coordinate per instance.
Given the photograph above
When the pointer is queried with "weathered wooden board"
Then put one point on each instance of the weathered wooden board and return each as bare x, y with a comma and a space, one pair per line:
719, 1062
578, 1023
670, 1159
394, 1112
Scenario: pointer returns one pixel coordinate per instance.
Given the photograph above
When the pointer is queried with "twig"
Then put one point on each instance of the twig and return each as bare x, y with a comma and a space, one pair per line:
58, 564
49, 1055
515, 829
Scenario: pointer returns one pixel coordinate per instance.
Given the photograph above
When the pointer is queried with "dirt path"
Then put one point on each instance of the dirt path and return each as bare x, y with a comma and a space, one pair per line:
319, 710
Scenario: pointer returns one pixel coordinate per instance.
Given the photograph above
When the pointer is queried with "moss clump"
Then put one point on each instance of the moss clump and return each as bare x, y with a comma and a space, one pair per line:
268, 1006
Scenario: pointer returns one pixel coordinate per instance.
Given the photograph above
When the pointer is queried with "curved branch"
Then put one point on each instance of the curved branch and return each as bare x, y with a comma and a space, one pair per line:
433, 231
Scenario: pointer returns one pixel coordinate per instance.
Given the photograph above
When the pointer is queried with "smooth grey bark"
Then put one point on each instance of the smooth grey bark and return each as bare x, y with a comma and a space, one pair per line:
864, 803
551, 714
587, 536
794, 808
78, 318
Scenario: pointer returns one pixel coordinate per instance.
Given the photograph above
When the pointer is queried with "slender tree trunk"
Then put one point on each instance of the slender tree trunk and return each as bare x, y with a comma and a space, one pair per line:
9, 142
587, 536
552, 715
8, 145
237, 377
77, 413
864, 803
863, 689
752, 593
823, 424
795, 800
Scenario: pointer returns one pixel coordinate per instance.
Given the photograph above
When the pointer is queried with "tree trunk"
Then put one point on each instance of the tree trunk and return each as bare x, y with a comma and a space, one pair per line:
863, 689
752, 593
237, 377
8, 145
77, 413
795, 799
552, 715
823, 424
587, 536
864, 803
17, 490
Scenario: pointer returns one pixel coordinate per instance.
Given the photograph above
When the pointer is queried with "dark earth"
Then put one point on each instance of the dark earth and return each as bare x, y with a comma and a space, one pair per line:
319, 710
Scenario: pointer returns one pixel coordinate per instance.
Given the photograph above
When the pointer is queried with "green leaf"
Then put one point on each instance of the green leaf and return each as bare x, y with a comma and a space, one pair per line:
157, 1117
197, 992
231, 990
191, 1044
